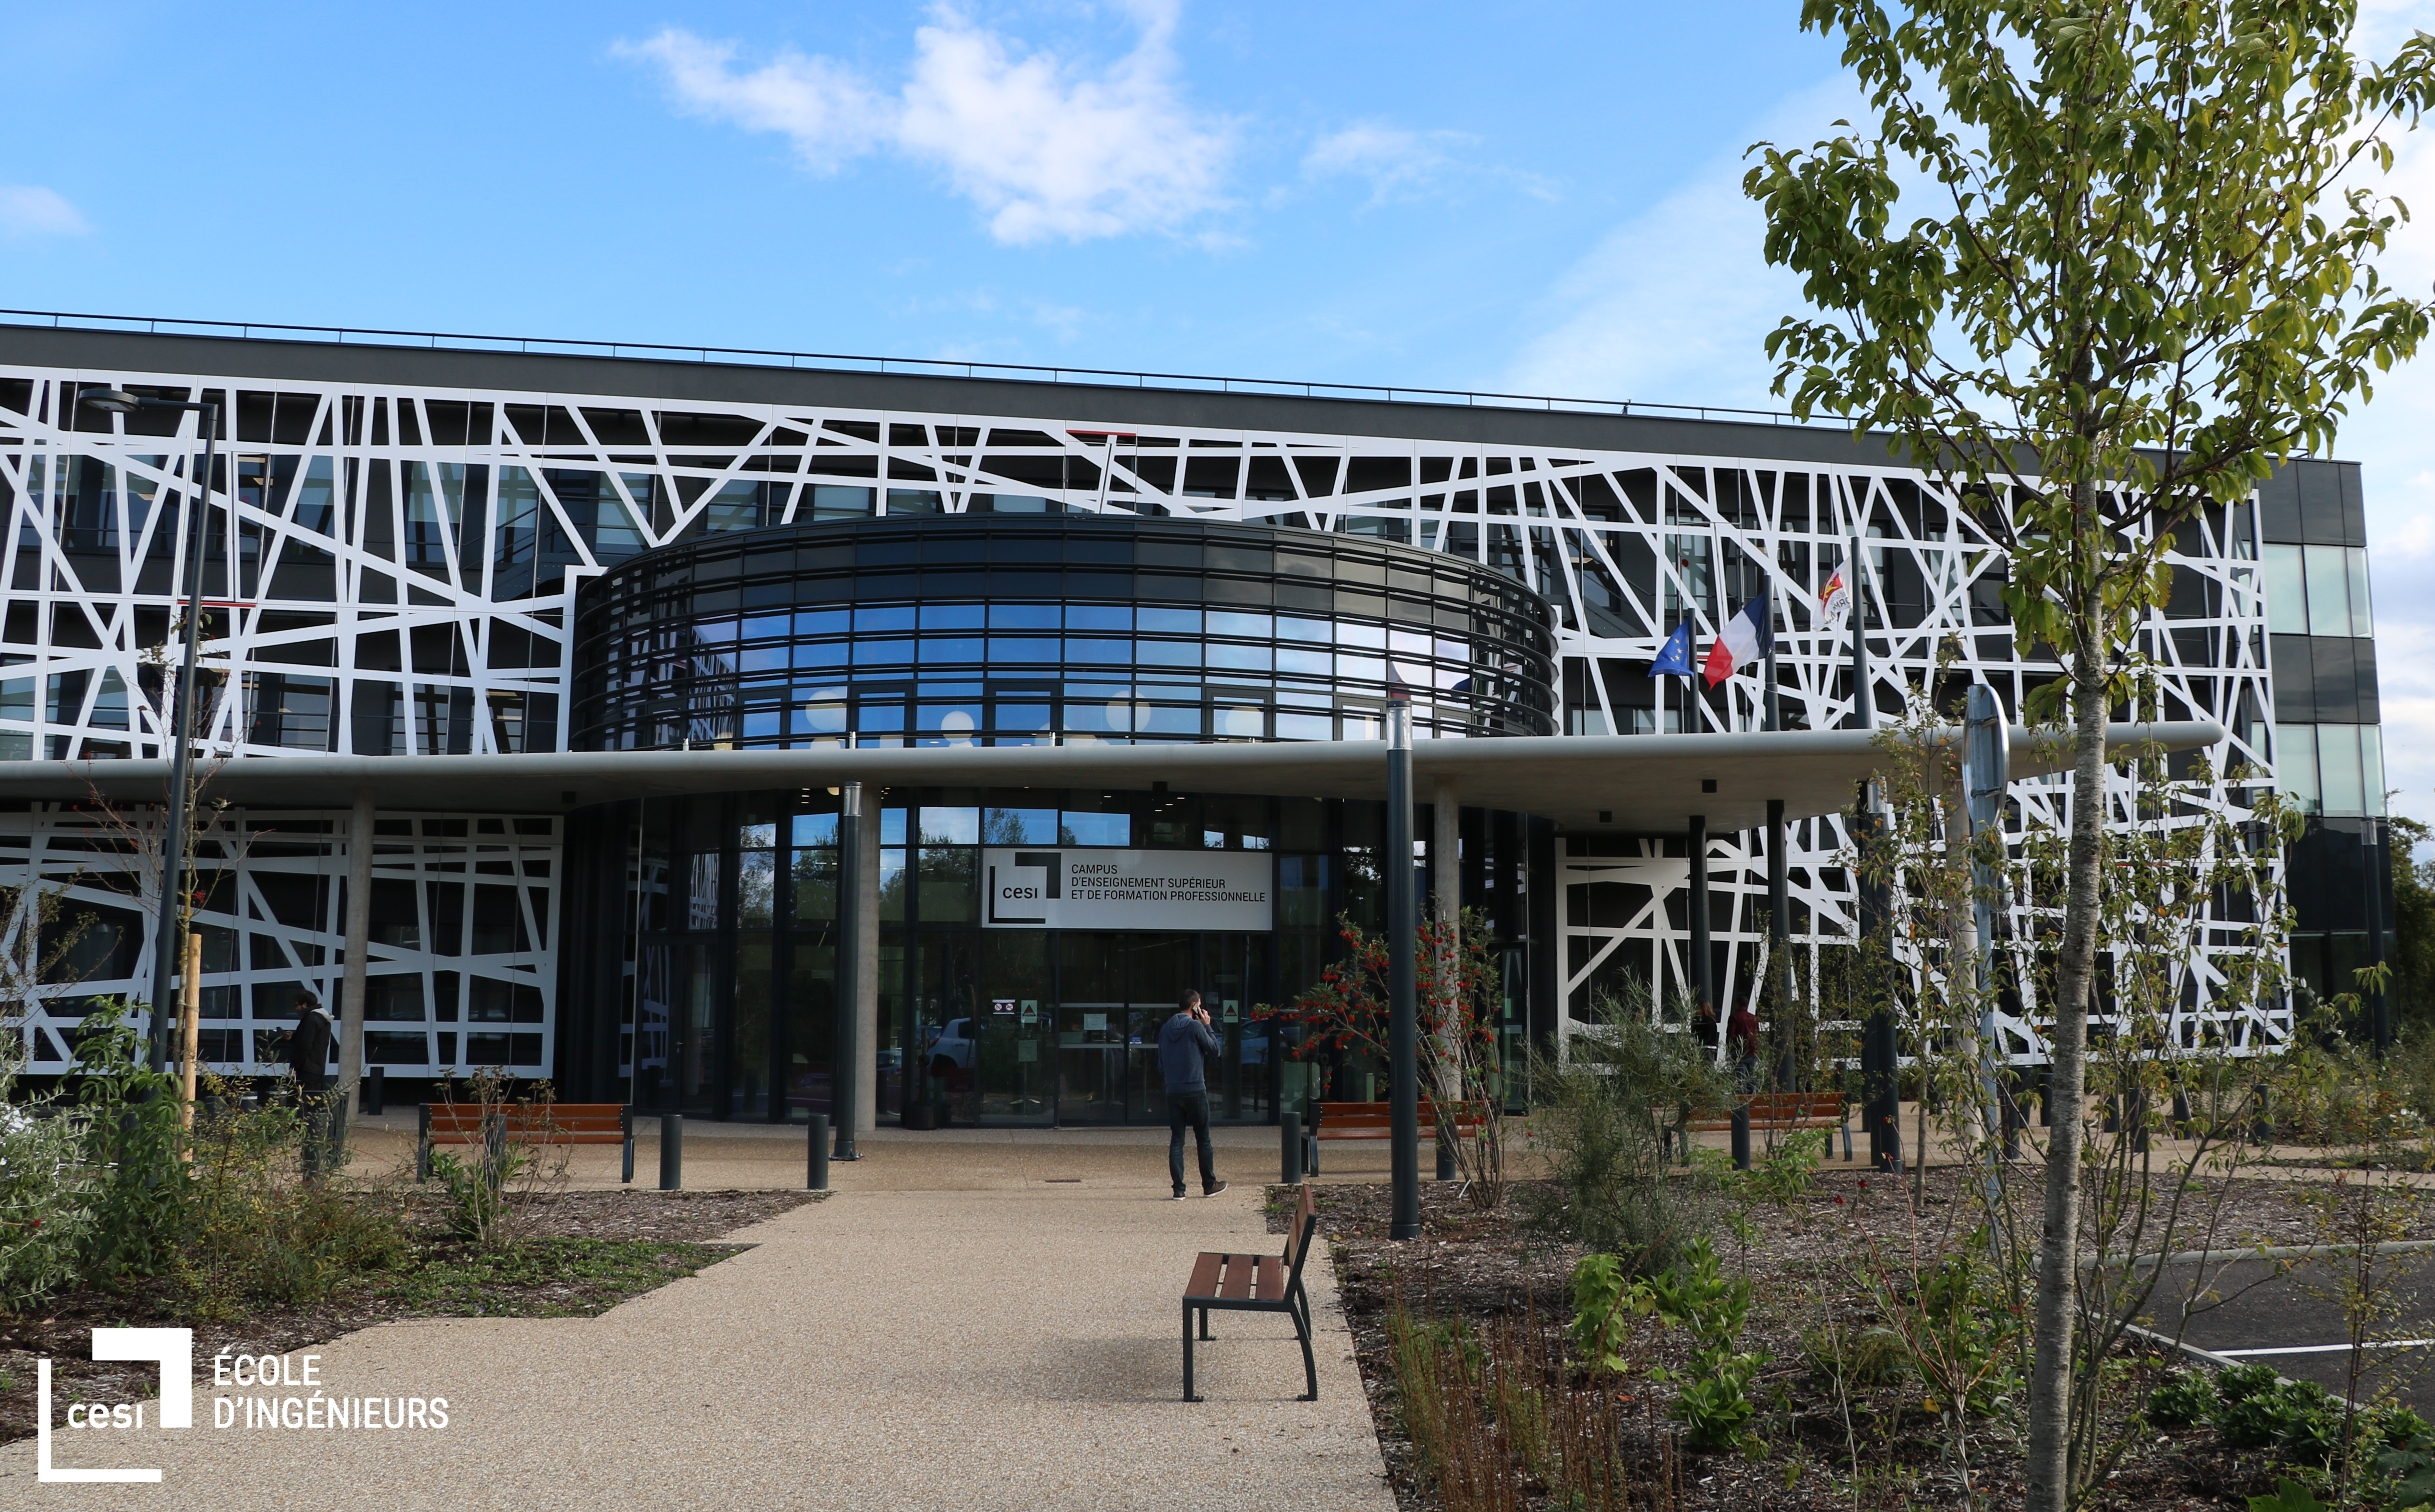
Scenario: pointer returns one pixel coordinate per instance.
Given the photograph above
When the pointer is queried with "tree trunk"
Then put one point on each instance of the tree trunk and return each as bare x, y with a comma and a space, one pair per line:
2050, 1377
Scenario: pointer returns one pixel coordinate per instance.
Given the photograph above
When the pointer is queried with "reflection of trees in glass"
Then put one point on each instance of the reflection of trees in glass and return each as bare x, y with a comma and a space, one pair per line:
950, 826
816, 869
947, 890
894, 885
1365, 895
1002, 827
1302, 891
1076, 828
756, 887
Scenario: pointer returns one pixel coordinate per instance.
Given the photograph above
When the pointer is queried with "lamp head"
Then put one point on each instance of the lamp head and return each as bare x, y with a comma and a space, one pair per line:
115, 400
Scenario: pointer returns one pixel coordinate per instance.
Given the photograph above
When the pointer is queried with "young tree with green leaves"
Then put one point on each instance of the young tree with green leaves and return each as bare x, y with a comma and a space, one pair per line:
2137, 271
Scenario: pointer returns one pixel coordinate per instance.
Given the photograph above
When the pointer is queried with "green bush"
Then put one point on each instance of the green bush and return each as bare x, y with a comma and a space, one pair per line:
2312, 1423
258, 1231
1600, 1113
2242, 1381
47, 1187
1789, 1171
1603, 1297
1713, 1403
2300, 1418
1960, 1331
129, 1115
2407, 1464
2185, 1399
2397, 1427
1871, 1356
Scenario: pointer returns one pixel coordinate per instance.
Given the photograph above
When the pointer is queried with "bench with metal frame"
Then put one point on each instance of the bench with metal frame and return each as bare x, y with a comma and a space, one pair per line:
1786, 1110
1256, 1284
523, 1124
1375, 1120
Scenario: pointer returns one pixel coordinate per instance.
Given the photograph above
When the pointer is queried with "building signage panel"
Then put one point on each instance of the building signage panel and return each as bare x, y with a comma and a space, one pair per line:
1095, 888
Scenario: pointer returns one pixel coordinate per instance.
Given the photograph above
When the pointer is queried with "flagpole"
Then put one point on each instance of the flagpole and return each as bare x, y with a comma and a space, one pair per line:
1864, 703
1775, 705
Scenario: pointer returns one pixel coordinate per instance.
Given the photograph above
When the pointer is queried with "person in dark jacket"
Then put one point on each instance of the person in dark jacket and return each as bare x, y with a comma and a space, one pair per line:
1741, 1045
1185, 1042
308, 1045
308, 1056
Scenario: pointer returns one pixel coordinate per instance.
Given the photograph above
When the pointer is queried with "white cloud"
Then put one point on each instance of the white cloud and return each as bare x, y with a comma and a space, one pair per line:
2392, 438
30, 210
1389, 156
825, 109
1406, 164
1050, 146
1674, 305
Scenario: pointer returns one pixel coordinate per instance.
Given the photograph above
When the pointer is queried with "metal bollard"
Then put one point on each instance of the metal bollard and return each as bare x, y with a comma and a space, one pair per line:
1741, 1138
816, 1176
375, 1093
671, 1152
1289, 1132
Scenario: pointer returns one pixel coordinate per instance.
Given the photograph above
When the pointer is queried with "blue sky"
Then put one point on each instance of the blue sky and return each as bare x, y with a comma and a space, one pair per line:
1537, 198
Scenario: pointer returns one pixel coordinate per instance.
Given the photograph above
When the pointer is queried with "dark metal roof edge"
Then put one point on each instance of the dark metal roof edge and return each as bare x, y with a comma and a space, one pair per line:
680, 380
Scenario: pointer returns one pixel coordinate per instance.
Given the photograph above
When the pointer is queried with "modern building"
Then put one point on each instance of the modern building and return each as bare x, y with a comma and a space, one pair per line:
447, 548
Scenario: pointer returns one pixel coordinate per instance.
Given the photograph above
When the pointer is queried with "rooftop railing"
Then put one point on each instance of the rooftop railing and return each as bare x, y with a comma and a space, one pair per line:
841, 362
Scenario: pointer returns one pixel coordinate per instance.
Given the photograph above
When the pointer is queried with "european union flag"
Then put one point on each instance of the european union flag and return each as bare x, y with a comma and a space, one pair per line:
1674, 657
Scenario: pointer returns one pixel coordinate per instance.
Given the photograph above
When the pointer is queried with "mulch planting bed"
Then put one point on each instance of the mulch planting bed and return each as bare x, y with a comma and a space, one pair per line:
586, 1251
1813, 1254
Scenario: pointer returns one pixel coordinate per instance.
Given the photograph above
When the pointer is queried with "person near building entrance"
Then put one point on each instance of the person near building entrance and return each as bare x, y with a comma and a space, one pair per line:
1186, 1044
1741, 1047
308, 1056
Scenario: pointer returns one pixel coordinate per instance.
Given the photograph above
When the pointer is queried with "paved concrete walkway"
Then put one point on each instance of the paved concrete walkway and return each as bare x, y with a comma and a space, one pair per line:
1009, 1341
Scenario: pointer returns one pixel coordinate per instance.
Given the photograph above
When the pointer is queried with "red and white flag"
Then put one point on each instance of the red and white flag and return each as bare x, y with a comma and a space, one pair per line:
1834, 598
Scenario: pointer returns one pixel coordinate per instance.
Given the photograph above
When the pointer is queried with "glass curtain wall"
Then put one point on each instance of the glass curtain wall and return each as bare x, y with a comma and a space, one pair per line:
737, 943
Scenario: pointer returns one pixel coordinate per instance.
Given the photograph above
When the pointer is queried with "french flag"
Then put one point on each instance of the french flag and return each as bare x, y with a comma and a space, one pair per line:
1747, 638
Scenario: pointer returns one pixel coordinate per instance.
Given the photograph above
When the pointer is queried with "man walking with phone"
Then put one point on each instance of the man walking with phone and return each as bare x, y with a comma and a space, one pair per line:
1185, 1042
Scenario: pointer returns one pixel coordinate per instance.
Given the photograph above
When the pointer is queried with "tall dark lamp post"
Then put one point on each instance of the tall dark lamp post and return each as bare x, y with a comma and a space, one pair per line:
1403, 1006
176, 852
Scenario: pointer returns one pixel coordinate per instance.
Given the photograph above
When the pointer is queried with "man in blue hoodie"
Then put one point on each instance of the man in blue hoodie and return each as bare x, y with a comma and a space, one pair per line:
1185, 1042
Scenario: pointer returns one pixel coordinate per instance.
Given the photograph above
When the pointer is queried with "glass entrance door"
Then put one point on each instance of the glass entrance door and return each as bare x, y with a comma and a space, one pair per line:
1091, 1028
1158, 967
1014, 1065
1115, 992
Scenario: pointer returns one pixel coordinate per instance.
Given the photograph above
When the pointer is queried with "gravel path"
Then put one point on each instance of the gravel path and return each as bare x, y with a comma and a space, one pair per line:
1014, 1347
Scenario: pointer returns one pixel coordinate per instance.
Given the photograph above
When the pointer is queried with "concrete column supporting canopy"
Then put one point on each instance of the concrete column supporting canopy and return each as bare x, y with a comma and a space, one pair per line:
354, 986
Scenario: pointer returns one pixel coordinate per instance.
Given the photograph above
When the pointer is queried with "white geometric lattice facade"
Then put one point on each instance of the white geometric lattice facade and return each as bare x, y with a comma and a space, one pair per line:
399, 571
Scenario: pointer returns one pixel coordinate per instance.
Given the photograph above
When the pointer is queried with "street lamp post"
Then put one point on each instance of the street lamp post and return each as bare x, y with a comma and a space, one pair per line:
1403, 1030
175, 848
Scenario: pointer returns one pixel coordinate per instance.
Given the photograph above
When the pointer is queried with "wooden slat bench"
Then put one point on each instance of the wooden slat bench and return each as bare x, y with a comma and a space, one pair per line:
1256, 1284
1782, 1111
1375, 1120
526, 1123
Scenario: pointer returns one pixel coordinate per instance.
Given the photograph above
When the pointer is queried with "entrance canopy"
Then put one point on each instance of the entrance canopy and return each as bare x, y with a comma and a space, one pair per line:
1643, 784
